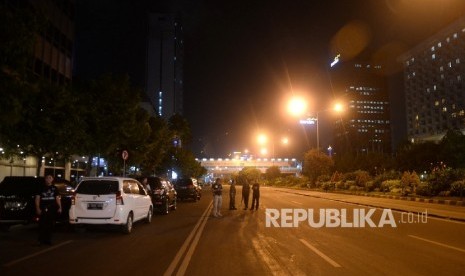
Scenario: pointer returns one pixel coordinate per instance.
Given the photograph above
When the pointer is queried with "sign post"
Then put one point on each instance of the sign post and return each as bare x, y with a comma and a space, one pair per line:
125, 156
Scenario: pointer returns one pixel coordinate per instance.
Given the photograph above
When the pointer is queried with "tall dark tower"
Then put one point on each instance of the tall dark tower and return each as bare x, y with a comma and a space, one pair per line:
164, 77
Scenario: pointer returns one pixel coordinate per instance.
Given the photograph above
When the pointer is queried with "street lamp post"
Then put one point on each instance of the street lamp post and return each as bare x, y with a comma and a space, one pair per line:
337, 108
263, 140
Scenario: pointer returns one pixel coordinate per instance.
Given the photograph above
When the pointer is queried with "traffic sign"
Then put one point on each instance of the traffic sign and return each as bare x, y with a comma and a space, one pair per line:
125, 155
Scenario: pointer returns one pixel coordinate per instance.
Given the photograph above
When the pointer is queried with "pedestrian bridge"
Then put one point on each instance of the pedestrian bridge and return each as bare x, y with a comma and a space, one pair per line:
225, 167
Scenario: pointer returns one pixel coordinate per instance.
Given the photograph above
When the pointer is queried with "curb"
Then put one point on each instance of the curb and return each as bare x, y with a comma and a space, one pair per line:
377, 206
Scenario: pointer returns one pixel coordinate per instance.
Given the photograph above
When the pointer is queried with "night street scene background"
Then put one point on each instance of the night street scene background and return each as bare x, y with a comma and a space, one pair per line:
347, 117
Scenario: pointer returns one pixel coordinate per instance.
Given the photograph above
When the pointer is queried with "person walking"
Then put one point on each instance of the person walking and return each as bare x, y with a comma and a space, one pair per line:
245, 193
232, 195
255, 196
47, 205
217, 189
145, 183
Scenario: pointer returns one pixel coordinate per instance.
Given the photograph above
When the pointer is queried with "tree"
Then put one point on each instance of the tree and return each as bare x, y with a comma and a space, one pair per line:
316, 164
110, 114
49, 126
156, 147
417, 157
251, 174
453, 149
272, 173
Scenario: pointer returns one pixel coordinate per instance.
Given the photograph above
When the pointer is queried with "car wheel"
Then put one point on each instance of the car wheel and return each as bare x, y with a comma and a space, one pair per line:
148, 219
166, 210
127, 228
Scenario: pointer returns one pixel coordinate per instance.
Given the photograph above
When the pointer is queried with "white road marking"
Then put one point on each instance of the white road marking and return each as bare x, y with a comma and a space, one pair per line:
438, 243
183, 248
321, 254
36, 254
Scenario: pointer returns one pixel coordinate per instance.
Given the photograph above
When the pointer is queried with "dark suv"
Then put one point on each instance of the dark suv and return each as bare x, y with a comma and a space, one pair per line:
188, 188
17, 196
162, 192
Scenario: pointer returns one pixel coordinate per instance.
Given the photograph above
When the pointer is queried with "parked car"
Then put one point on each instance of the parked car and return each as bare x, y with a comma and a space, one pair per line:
17, 196
108, 200
188, 188
162, 192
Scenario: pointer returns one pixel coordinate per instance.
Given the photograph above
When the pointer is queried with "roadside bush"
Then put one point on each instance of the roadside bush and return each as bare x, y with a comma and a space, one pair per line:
349, 184
423, 189
361, 178
326, 186
458, 188
389, 175
390, 185
340, 185
440, 180
369, 186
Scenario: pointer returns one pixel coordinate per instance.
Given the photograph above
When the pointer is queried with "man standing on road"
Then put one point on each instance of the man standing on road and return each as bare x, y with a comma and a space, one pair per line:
48, 204
245, 193
232, 195
217, 189
255, 195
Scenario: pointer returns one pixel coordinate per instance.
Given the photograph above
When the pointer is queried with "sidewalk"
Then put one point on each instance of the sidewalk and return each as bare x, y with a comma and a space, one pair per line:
447, 211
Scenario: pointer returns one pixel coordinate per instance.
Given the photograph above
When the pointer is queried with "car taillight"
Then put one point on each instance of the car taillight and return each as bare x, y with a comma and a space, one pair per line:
119, 198
73, 199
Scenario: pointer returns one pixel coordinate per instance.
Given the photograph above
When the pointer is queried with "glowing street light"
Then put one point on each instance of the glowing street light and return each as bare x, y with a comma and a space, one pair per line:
297, 106
263, 139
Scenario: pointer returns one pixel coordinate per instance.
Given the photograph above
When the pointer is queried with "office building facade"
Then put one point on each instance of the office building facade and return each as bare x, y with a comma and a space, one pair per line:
434, 76
364, 126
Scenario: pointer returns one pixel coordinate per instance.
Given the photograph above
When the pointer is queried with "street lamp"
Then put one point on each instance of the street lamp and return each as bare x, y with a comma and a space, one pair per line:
262, 140
337, 108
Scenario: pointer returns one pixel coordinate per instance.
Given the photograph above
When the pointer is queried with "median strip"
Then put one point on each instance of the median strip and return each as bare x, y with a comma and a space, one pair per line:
197, 231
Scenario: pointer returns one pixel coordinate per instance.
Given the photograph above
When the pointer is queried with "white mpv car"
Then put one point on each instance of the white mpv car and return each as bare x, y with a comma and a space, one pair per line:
110, 200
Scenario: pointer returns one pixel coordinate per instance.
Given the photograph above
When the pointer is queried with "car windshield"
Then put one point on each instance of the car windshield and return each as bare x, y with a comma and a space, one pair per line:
97, 187
184, 182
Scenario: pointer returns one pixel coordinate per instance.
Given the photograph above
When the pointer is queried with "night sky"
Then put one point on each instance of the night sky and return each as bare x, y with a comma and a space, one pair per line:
243, 58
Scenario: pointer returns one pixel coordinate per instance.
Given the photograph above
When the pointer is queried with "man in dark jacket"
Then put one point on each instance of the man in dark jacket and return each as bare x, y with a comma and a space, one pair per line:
245, 193
48, 204
255, 195
232, 195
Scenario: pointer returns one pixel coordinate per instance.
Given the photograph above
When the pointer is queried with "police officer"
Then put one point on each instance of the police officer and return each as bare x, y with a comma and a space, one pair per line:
48, 204
245, 193
232, 195
217, 189
255, 196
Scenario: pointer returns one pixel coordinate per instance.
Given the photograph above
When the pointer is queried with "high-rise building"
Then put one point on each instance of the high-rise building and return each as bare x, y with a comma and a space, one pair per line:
164, 79
52, 61
53, 48
364, 126
434, 76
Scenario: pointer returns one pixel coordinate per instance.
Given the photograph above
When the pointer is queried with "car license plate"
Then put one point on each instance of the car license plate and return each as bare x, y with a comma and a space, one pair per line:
94, 206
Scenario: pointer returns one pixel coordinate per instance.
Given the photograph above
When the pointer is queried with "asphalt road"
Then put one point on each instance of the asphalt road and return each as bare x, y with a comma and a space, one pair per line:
189, 241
